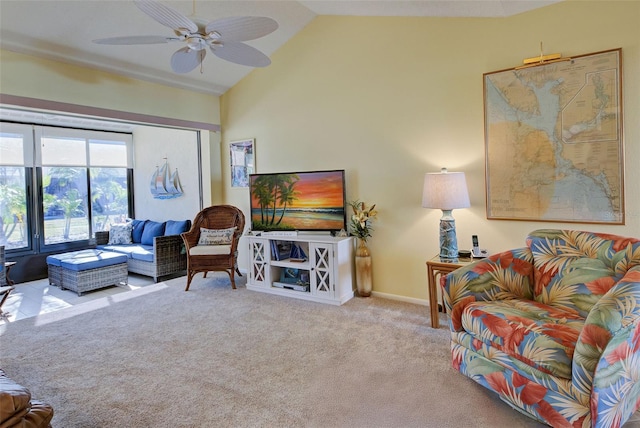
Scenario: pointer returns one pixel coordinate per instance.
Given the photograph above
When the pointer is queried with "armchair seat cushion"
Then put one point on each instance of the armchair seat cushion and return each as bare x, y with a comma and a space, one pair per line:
535, 334
210, 250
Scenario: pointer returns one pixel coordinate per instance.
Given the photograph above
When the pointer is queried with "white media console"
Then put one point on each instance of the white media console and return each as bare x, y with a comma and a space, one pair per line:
325, 275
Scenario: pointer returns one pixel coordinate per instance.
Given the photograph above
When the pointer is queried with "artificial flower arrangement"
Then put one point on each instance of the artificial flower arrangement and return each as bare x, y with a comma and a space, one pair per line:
361, 219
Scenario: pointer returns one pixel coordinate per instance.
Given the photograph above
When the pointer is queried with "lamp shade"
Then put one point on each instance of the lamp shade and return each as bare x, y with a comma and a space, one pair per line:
445, 190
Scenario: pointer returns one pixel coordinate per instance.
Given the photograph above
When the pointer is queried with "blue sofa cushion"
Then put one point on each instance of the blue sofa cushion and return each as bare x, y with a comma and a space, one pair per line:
86, 262
130, 250
143, 255
176, 227
151, 230
136, 232
56, 259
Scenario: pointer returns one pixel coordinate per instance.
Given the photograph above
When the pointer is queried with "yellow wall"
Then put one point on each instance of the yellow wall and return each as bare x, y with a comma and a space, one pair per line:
389, 99
28, 76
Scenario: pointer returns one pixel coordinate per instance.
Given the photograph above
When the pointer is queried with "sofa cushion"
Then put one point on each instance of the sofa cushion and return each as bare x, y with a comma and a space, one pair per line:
130, 250
56, 259
142, 254
216, 236
176, 227
151, 230
574, 269
541, 336
210, 250
137, 230
86, 262
120, 233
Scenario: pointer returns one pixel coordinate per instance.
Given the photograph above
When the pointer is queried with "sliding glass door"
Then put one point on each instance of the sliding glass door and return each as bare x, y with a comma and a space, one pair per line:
59, 186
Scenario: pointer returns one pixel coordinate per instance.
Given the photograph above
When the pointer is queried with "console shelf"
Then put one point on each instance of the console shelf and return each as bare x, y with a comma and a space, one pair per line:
326, 276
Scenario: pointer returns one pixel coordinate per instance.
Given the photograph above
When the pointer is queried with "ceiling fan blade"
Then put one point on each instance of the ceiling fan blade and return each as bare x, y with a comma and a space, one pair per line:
135, 40
165, 15
242, 28
184, 60
240, 53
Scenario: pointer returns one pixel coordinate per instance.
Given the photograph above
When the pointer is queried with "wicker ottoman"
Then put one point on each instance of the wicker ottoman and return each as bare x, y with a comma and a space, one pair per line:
87, 270
54, 262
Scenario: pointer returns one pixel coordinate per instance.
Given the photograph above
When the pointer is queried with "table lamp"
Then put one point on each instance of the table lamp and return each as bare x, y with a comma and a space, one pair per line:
446, 191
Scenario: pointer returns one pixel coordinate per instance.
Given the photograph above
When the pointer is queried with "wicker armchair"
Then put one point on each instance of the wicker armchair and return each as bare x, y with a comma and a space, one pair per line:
221, 256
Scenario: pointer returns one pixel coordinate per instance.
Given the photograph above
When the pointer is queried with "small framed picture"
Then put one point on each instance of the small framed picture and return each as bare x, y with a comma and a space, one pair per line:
242, 162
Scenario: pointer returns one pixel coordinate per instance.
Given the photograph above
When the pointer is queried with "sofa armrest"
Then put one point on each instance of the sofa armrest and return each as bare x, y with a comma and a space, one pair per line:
102, 237
39, 416
14, 401
606, 359
17, 409
505, 275
167, 248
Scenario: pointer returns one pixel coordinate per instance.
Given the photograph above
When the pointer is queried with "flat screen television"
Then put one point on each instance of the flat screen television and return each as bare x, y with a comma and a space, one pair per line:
301, 201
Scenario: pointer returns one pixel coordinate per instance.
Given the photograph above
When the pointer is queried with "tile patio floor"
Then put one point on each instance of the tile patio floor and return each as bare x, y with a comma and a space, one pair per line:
38, 297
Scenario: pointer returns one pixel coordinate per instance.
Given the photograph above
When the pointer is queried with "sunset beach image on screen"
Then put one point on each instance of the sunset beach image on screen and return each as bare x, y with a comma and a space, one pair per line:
307, 200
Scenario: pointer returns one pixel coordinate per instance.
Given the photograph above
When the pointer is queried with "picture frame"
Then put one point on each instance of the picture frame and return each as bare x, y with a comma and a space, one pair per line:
242, 161
553, 141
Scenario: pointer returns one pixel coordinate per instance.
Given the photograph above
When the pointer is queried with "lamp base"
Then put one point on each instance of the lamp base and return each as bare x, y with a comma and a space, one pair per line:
448, 240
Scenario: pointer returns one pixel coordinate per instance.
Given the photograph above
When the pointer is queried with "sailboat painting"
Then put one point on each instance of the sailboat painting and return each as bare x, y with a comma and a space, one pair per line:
165, 185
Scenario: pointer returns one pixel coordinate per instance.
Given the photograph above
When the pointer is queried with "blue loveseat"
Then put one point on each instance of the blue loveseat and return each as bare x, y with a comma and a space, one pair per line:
154, 248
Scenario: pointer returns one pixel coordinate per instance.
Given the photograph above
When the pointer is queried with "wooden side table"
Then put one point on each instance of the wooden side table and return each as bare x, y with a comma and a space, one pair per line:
437, 267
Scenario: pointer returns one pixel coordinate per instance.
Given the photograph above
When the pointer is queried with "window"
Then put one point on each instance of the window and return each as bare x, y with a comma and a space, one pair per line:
16, 160
83, 181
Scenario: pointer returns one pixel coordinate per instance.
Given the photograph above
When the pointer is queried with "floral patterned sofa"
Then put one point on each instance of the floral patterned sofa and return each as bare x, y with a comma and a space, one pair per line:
554, 327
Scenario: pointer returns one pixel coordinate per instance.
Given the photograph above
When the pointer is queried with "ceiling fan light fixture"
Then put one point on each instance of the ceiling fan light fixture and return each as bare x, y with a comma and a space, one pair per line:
195, 43
224, 36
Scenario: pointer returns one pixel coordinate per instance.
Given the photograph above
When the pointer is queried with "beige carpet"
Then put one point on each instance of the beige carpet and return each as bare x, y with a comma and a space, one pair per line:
217, 357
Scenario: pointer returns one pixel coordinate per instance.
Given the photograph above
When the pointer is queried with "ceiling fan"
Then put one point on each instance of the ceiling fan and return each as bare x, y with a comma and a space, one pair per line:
223, 37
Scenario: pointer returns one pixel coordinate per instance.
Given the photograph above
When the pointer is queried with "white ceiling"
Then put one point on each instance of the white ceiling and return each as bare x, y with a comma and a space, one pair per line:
63, 30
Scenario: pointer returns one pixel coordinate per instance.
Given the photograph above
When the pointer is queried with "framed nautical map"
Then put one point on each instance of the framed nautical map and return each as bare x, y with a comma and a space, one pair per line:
553, 141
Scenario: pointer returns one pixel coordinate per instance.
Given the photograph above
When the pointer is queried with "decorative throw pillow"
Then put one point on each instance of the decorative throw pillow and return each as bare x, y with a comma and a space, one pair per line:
120, 234
216, 236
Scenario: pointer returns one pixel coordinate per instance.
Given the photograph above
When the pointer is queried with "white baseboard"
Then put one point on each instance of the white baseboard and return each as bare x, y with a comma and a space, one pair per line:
423, 302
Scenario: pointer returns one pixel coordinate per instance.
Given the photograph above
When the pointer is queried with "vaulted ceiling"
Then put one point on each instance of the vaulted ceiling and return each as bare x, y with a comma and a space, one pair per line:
64, 30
